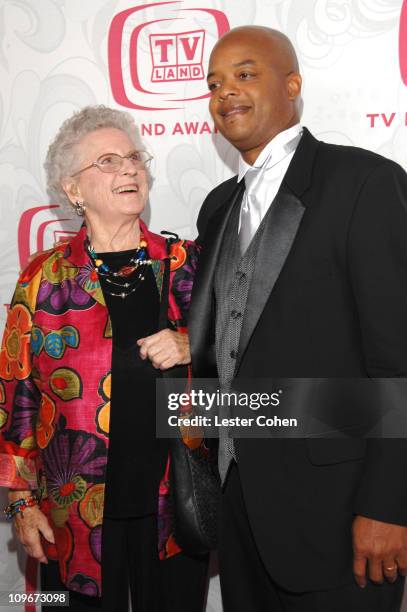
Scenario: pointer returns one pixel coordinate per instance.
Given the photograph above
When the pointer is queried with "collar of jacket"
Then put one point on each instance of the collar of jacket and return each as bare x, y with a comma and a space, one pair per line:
299, 173
76, 255
75, 251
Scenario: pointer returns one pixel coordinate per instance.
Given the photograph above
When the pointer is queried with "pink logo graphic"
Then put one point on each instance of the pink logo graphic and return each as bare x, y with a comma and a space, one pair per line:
177, 57
403, 42
144, 58
35, 233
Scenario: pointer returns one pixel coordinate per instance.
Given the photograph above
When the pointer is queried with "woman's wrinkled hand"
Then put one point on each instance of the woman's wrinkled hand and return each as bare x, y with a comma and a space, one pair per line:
165, 349
29, 527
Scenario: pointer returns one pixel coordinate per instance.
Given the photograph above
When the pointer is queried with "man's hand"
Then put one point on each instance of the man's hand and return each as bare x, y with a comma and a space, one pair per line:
380, 546
165, 349
30, 526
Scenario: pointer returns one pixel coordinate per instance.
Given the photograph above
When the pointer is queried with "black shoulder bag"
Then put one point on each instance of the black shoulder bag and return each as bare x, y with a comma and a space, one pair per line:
195, 483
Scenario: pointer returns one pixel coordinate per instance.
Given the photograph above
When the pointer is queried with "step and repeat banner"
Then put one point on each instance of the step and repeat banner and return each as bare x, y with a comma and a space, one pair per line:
150, 58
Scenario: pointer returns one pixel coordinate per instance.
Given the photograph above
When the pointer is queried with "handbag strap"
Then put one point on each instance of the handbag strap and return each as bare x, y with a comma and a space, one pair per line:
165, 288
163, 316
177, 371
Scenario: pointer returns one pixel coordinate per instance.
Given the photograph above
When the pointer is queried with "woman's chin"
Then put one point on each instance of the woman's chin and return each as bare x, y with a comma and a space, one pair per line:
130, 206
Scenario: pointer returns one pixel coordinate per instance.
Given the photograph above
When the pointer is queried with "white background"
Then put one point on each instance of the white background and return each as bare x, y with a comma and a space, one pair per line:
54, 60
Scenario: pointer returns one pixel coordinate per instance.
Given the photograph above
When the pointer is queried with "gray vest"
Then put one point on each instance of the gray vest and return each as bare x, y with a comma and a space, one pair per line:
232, 284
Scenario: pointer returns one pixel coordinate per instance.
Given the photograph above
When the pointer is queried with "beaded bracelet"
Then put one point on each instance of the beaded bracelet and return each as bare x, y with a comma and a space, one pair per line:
19, 506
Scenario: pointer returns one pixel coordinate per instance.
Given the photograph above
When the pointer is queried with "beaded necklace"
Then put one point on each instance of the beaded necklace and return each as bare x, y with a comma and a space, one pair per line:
121, 277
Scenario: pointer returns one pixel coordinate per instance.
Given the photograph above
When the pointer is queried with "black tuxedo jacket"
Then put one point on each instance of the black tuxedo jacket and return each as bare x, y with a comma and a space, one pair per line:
330, 302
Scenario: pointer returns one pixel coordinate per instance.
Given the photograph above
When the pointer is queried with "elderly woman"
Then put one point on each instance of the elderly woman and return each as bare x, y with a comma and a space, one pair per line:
88, 479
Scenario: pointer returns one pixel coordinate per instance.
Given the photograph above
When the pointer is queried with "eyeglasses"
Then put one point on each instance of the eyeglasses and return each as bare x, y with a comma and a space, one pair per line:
112, 162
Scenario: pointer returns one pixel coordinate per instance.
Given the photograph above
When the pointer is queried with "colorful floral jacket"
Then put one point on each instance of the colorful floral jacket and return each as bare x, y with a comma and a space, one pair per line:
55, 383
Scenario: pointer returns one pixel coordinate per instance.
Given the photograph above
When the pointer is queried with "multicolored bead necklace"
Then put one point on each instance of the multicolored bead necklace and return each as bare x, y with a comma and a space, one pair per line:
120, 278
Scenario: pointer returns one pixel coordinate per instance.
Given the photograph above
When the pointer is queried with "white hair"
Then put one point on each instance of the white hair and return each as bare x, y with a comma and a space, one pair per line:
62, 155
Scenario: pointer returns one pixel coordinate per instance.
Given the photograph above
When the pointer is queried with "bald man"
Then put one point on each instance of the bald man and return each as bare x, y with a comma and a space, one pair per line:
303, 274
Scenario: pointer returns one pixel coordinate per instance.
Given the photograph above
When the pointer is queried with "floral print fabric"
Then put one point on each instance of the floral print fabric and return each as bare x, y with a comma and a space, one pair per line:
55, 384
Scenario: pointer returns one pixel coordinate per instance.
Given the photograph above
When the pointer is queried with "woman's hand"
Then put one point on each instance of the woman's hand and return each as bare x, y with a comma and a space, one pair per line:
165, 349
29, 527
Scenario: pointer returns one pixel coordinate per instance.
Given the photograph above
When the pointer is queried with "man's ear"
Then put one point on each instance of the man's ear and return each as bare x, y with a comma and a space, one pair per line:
294, 82
71, 189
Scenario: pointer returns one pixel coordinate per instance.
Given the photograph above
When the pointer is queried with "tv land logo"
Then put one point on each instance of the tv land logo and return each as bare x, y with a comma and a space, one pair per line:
177, 57
403, 42
37, 231
144, 58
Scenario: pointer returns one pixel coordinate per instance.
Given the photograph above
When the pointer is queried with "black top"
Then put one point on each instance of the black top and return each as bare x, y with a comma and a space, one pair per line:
136, 457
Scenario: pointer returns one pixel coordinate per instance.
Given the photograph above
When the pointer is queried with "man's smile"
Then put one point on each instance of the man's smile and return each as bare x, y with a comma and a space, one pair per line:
233, 111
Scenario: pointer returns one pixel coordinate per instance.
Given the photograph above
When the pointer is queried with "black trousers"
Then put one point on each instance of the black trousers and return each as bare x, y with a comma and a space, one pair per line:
247, 587
130, 566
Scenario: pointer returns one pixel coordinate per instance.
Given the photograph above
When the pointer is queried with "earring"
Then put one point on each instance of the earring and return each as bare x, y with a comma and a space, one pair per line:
80, 208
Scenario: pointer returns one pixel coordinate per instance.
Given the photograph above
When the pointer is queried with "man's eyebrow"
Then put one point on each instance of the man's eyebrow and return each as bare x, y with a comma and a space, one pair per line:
247, 62
244, 63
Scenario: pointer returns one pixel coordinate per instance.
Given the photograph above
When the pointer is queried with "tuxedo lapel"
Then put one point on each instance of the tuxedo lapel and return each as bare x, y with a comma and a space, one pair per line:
200, 319
281, 225
278, 236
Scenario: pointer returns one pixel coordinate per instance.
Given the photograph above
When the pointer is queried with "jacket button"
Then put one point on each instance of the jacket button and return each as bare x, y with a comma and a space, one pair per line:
233, 354
235, 314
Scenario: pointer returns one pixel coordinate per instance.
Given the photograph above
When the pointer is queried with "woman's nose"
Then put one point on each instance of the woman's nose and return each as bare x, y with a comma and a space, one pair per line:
129, 167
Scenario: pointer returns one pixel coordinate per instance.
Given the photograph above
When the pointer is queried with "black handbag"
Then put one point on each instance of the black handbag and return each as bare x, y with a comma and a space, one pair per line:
195, 490
195, 482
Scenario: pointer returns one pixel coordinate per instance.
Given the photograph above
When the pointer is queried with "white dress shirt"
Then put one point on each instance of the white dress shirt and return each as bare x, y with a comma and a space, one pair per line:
264, 178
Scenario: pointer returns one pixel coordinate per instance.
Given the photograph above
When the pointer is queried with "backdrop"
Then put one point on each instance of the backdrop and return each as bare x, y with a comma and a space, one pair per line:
150, 58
